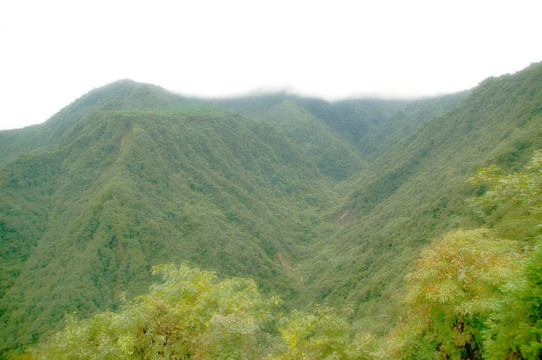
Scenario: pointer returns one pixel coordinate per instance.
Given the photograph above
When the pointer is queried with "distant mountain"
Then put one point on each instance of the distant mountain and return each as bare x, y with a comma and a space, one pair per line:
342, 137
318, 202
334, 155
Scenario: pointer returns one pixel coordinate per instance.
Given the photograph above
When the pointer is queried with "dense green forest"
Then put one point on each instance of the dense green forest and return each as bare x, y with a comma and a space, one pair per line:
281, 227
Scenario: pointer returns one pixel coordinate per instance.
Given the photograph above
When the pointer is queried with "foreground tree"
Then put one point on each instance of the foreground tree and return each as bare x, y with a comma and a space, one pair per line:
467, 297
515, 328
451, 294
512, 203
323, 334
191, 315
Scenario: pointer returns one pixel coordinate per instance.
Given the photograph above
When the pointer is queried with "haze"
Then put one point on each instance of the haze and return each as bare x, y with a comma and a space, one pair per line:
55, 51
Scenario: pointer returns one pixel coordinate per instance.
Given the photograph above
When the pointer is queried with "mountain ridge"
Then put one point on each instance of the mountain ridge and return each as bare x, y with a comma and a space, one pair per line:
317, 201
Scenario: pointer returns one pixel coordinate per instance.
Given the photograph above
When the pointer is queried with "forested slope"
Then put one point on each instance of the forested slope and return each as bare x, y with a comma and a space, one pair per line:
343, 136
417, 191
121, 190
473, 294
318, 202
120, 95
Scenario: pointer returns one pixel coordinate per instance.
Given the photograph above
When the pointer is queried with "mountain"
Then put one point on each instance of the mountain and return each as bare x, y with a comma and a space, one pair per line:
334, 156
417, 191
318, 202
342, 137
112, 189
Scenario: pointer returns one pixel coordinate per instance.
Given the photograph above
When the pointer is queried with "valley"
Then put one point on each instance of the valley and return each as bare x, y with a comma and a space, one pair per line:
322, 204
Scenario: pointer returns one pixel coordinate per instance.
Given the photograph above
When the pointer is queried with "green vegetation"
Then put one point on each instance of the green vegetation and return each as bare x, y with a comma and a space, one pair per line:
515, 328
416, 192
365, 226
189, 316
471, 295
452, 292
125, 190
192, 315
474, 295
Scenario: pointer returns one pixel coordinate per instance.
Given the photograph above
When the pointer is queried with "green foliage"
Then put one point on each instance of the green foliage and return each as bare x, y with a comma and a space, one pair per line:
515, 328
125, 190
322, 335
190, 315
416, 191
319, 202
452, 292
389, 129
193, 315
329, 151
513, 203
472, 294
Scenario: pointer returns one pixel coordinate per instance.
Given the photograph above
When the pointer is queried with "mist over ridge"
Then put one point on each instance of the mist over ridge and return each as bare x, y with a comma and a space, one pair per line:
319, 202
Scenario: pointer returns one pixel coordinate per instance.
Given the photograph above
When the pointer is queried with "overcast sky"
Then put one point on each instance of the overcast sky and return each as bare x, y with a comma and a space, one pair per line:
52, 52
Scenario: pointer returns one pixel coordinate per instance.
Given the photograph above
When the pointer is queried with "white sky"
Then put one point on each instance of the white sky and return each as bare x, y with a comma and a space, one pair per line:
52, 52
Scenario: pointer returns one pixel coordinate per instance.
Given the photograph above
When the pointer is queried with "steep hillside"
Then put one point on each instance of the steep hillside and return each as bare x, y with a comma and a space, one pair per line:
335, 156
318, 202
123, 94
120, 190
389, 130
342, 137
416, 191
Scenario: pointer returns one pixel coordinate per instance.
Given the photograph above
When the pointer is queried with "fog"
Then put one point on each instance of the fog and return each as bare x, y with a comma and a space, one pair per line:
55, 51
